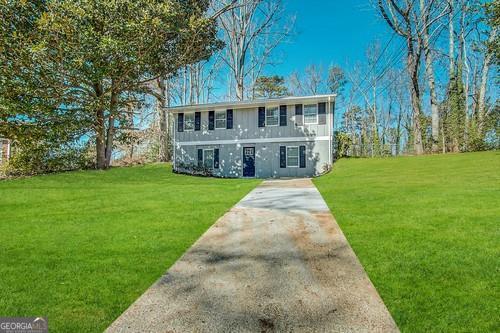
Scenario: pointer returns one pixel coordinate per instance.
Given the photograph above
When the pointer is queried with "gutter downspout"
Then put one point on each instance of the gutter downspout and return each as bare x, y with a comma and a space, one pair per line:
330, 120
173, 139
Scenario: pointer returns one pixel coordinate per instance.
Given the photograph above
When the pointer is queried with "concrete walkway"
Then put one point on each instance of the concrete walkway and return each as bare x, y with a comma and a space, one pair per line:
276, 262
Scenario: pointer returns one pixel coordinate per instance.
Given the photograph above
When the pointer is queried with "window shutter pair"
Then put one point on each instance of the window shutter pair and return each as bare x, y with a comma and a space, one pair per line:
322, 113
299, 115
229, 119
197, 121
262, 116
302, 157
216, 158
180, 122
283, 115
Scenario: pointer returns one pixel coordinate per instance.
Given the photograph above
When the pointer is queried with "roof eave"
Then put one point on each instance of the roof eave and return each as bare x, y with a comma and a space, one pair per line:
249, 103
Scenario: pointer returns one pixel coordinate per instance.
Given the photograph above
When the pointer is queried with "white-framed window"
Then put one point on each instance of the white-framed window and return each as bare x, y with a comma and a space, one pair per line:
208, 158
292, 157
189, 121
272, 116
220, 119
310, 113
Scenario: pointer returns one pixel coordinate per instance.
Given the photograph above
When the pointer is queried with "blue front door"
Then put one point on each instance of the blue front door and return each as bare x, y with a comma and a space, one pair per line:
248, 161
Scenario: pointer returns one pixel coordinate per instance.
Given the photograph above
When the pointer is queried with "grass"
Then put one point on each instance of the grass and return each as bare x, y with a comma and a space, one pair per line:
80, 247
426, 229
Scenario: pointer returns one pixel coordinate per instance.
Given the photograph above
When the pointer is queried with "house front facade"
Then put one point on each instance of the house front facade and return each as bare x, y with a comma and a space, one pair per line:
271, 138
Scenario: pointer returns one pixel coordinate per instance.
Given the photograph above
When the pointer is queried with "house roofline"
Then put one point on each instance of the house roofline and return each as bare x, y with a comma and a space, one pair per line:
250, 103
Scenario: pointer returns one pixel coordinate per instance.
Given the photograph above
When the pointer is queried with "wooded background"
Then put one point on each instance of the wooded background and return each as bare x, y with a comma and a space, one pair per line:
86, 83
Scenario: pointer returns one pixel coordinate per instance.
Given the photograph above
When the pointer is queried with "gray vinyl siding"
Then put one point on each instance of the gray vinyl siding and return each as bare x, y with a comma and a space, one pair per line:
267, 159
245, 126
267, 154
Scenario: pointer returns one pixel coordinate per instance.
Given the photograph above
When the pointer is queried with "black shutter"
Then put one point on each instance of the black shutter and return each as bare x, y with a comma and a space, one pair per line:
197, 121
211, 120
216, 158
282, 157
302, 156
180, 122
229, 118
200, 157
283, 115
299, 119
262, 116
322, 113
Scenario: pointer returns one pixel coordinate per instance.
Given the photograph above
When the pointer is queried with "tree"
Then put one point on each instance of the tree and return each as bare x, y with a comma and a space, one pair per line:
311, 82
270, 86
251, 31
493, 17
336, 79
427, 12
408, 22
29, 94
94, 57
488, 59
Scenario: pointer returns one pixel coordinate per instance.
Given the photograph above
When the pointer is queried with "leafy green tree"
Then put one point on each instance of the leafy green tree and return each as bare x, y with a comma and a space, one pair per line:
270, 86
86, 60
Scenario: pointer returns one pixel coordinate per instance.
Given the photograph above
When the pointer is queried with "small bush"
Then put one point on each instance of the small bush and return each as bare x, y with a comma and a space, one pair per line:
193, 169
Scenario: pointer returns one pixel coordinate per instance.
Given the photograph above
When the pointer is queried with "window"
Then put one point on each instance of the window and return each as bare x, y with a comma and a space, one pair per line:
272, 116
208, 158
220, 119
310, 114
189, 121
292, 156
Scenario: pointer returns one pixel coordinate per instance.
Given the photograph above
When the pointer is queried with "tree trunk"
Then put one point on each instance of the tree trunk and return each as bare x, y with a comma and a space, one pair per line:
240, 74
130, 124
163, 155
113, 105
465, 64
239, 88
451, 66
451, 39
398, 131
413, 65
100, 135
109, 140
100, 138
429, 61
483, 86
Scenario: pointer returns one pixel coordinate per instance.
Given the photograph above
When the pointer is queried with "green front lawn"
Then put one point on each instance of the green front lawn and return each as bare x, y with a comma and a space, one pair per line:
80, 247
427, 231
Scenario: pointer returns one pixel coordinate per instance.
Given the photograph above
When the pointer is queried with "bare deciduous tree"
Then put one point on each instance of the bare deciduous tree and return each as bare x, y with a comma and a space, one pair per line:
251, 31
410, 22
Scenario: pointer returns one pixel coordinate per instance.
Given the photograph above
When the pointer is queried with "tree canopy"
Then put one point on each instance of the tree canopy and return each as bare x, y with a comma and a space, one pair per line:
270, 86
78, 64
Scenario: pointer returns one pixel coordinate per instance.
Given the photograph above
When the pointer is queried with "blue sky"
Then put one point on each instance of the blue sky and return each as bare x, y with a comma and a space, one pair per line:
329, 31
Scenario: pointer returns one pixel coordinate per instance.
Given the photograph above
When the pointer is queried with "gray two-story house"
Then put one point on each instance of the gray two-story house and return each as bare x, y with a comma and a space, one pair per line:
282, 137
